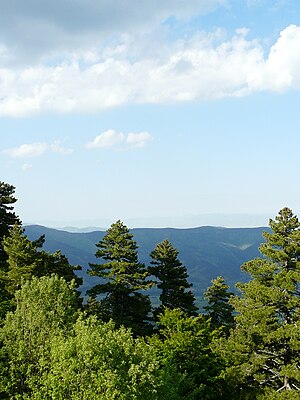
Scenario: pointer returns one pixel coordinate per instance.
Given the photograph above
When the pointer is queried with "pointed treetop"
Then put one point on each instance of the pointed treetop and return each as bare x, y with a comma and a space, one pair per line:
124, 277
283, 242
219, 308
172, 279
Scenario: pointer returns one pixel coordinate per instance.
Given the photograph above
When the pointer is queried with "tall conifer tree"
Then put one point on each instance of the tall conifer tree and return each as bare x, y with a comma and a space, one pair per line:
172, 280
8, 219
124, 279
22, 259
264, 347
219, 308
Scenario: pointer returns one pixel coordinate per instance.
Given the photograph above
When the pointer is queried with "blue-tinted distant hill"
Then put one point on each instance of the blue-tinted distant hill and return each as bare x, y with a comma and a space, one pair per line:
206, 251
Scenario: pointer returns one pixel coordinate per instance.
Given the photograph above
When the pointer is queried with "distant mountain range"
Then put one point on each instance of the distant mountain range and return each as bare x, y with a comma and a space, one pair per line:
207, 251
237, 220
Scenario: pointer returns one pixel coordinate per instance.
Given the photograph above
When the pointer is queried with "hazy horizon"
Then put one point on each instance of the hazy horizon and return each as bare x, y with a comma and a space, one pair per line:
180, 222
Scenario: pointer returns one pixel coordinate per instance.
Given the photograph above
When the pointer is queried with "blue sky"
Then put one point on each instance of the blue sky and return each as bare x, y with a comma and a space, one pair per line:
160, 113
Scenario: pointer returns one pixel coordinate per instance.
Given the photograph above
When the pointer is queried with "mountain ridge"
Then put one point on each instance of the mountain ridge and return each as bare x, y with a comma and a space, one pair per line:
206, 251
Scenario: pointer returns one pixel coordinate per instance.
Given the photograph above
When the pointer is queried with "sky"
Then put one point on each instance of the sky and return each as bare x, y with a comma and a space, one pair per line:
159, 113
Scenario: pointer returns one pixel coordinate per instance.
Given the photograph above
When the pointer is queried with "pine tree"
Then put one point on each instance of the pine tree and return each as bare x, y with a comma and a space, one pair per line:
172, 280
26, 259
57, 263
124, 279
264, 347
219, 310
8, 218
22, 259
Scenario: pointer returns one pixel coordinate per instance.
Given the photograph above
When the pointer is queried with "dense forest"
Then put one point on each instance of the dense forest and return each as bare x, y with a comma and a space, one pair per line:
117, 345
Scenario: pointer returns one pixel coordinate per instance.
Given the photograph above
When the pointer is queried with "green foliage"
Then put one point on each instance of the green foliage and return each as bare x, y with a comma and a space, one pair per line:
264, 348
5, 302
46, 307
124, 278
270, 394
282, 243
97, 361
186, 344
219, 310
22, 259
8, 219
25, 259
7, 216
172, 280
57, 263
49, 353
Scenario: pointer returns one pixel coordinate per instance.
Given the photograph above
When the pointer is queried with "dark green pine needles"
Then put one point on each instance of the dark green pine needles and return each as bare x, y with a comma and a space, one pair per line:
171, 280
124, 279
264, 347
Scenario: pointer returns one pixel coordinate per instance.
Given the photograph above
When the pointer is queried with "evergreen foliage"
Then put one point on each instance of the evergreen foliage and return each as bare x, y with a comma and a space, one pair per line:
8, 218
22, 259
219, 310
57, 263
25, 259
264, 348
172, 280
124, 279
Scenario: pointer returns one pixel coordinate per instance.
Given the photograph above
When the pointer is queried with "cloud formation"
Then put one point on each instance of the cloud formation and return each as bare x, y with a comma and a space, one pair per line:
29, 150
119, 140
204, 66
57, 26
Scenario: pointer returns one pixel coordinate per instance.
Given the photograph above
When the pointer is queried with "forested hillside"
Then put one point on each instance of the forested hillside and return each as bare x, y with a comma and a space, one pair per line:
207, 252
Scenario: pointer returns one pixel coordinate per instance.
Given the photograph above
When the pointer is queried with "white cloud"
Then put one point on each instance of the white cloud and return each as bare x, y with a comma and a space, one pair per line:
56, 26
108, 138
28, 150
56, 147
138, 139
282, 68
119, 140
205, 66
